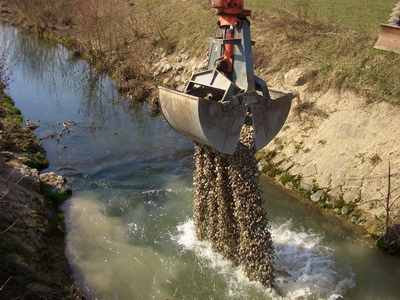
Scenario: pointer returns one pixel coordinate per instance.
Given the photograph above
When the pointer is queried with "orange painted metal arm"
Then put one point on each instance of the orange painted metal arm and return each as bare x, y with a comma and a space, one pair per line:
231, 13
230, 7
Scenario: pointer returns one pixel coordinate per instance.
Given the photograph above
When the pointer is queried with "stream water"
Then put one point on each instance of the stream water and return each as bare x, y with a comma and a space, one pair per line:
129, 223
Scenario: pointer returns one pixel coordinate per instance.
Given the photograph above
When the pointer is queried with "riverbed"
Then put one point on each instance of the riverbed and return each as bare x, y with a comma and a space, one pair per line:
129, 223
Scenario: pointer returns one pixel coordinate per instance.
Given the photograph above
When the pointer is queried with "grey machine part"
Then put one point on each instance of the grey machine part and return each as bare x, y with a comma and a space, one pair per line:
212, 109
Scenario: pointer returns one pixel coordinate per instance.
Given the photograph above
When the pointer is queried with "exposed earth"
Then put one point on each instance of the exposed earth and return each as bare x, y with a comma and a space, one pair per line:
33, 264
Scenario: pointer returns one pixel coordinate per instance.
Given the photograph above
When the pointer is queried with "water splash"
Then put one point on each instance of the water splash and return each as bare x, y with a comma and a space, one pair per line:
306, 266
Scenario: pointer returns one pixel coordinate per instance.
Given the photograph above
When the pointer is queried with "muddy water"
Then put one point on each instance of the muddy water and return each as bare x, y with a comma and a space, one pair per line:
130, 227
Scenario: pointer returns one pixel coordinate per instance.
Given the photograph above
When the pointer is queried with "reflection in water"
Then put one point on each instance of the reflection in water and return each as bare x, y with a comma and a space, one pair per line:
129, 233
54, 88
54, 72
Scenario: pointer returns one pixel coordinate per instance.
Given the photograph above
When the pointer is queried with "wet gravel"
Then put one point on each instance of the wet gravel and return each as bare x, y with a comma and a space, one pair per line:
228, 208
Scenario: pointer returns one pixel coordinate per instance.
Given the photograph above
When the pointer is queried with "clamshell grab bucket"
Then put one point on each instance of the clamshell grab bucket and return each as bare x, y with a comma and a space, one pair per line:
203, 120
389, 38
208, 122
269, 119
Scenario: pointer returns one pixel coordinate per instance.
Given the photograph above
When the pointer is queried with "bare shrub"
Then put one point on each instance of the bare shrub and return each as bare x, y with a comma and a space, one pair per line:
43, 15
5, 69
4, 72
390, 238
106, 29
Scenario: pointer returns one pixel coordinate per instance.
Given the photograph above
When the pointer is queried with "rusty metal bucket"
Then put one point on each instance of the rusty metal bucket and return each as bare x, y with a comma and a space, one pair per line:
389, 38
203, 120
211, 123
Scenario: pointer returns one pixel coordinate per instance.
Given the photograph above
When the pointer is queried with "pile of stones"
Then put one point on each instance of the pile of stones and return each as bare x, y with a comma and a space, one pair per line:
228, 209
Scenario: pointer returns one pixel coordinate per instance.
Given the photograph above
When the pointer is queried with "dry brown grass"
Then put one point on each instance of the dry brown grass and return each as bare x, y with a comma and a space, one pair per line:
42, 15
344, 59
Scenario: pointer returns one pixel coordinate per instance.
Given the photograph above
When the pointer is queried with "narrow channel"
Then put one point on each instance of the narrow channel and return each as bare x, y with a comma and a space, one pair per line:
129, 223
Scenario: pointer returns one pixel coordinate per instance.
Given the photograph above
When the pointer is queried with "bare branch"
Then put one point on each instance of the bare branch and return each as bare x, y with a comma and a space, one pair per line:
394, 190
369, 201
4, 284
15, 222
393, 203
11, 187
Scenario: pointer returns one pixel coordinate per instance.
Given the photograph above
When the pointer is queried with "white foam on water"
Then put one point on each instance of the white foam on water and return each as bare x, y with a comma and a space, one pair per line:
239, 286
162, 191
157, 191
306, 268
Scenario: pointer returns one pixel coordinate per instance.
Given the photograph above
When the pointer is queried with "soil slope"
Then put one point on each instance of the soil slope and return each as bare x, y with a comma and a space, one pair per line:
33, 264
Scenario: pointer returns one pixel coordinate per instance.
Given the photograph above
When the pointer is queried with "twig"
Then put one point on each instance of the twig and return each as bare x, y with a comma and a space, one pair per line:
388, 202
9, 189
11, 173
4, 284
9, 131
15, 222
372, 177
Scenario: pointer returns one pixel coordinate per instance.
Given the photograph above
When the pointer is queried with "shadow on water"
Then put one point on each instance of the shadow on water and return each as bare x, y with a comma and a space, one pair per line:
130, 233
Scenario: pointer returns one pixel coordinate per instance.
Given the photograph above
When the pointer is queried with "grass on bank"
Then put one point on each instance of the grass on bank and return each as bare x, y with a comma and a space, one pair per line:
15, 138
362, 15
333, 37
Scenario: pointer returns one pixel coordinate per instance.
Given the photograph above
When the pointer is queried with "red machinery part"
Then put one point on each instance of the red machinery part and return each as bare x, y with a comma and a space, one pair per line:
230, 14
230, 11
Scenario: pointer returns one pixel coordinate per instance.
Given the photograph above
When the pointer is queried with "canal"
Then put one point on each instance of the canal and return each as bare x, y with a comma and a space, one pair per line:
129, 223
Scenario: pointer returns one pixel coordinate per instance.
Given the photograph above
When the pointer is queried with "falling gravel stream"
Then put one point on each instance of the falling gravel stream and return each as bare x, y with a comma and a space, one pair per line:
131, 230
228, 209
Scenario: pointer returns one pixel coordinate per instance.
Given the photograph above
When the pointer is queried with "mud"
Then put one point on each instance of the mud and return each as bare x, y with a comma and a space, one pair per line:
228, 208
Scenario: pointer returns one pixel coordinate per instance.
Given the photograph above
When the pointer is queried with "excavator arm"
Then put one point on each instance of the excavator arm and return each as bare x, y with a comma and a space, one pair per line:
212, 109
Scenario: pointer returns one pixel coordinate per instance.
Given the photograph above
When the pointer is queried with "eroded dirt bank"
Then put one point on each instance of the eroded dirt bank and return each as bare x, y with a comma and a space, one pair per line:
33, 264
335, 149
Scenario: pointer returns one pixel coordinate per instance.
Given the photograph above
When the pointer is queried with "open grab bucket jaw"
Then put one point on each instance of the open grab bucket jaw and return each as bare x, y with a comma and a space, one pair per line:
389, 38
212, 109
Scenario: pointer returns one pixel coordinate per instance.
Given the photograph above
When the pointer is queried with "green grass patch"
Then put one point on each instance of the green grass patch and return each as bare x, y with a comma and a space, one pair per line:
9, 110
16, 138
363, 15
294, 180
341, 52
57, 197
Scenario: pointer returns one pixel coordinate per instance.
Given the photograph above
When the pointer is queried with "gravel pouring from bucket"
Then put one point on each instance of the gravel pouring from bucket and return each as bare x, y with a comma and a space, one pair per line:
212, 109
